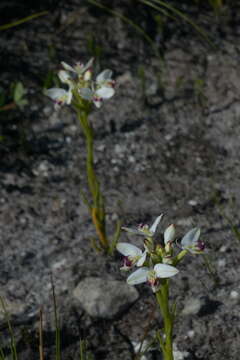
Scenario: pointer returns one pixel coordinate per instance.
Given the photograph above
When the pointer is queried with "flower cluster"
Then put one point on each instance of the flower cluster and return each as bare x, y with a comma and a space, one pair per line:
158, 261
79, 83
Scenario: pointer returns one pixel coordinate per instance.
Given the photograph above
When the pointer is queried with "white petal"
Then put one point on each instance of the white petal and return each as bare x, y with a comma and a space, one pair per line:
88, 65
105, 92
128, 249
191, 237
154, 226
169, 234
86, 93
142, 259
139, 276
104, 76
67, 67
165, 271
134, 231
56, 93
64, 76
69, 97
87, 75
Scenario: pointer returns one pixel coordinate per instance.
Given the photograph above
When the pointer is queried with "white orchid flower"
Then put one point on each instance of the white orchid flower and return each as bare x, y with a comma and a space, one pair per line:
132, 255
104, 80
96, 96
192, 243
103, 89
152, 276
144, 229
104, 86
59, 96
83, 71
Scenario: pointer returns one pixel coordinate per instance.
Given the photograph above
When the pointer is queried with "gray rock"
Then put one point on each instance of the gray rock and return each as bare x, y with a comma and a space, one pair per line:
104, 298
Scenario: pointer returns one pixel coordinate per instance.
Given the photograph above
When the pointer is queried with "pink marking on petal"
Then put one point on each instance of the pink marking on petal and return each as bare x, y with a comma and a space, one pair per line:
153, 282
59, 102
127, 262
200, 245
111, 83
97, 99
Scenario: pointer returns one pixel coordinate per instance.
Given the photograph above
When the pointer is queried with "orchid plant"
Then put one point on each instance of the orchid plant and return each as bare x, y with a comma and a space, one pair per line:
84, 93
156, 264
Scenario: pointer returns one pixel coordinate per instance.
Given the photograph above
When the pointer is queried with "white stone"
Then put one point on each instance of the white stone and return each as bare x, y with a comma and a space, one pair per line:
59, 264
118, 149
191, 334
168, 137
192, 306
234, 294
223, 248
101, 147
192, 202
179, 355
222, 262
143, 346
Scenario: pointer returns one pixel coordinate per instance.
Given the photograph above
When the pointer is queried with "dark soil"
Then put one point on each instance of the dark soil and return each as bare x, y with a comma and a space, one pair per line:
167, 142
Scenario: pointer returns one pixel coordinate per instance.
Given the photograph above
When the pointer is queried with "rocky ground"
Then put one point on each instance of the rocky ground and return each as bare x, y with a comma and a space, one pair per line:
167, 142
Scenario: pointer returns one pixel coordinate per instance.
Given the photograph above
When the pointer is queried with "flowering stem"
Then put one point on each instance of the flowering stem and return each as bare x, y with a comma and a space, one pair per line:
168, 318
97, 208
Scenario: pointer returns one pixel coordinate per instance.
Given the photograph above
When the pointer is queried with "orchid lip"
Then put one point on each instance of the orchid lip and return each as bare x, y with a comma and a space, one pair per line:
127, 262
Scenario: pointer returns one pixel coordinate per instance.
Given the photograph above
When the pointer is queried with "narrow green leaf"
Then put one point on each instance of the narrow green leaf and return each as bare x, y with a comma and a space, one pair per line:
23, 20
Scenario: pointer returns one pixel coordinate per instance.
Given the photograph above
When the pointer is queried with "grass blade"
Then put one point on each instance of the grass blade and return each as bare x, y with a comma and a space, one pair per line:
13, 342
23, 20
158, 5
129, 22
57, 325
41, 356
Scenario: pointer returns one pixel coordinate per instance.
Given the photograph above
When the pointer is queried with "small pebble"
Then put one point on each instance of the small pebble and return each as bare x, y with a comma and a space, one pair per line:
68, 140
59, 264
191, 334
179, 355
168, 137
192, 202
47, 110
223, 248
192, 306
118, 149
222, 262
234, 294
101, 147
132, 159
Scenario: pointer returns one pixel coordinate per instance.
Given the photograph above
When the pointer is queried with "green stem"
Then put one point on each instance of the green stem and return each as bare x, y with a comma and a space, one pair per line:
88, 132
97, 209
168, 318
